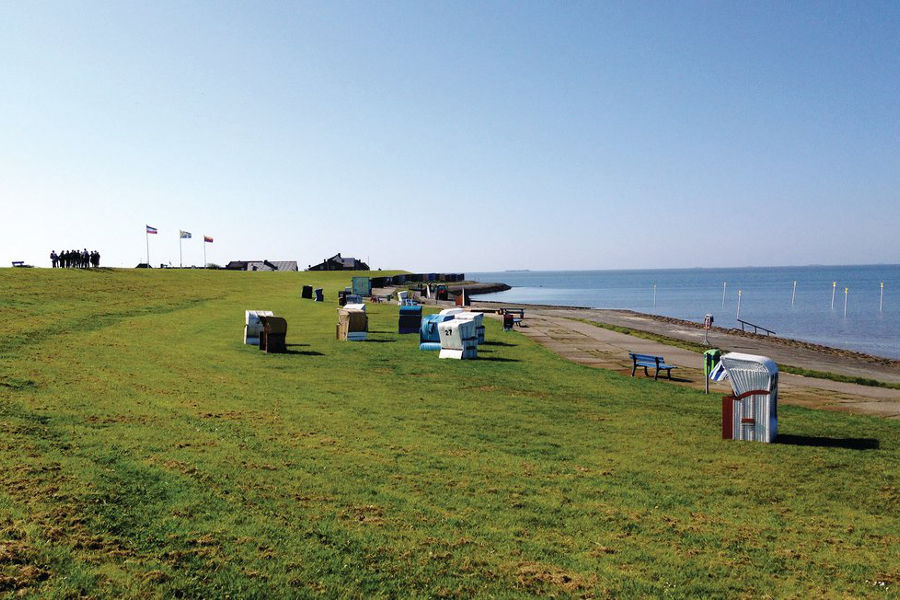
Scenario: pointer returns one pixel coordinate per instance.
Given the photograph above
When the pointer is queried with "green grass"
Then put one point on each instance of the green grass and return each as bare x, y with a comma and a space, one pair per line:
146, 453
700, 348
867, 381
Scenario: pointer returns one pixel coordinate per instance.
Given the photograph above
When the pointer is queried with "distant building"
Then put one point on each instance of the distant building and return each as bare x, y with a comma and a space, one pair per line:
339, 263
262, 265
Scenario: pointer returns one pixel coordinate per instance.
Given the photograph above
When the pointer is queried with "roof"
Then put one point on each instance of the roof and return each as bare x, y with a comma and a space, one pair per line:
347, 261
748, 372
263, 265
752, 362
338, 262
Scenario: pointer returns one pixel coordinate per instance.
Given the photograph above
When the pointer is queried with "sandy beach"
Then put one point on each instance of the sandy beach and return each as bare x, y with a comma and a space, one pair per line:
570, 333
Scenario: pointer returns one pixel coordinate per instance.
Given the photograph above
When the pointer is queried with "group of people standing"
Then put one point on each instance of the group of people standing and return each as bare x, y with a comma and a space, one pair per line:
75, 259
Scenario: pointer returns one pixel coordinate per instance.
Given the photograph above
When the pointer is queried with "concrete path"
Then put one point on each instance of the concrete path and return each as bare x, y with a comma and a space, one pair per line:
599, 347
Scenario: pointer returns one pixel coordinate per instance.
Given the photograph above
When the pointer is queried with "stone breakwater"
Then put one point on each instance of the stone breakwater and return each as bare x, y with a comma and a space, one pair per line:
477, 287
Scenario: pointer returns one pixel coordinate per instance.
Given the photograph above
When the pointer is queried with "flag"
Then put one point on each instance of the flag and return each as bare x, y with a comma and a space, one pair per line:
151, 229
718, 372
185, 235
207, 239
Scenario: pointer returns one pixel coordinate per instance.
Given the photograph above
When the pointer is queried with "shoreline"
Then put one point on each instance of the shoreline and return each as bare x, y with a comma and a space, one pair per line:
785, 351
869, 327
812, 376
780, 340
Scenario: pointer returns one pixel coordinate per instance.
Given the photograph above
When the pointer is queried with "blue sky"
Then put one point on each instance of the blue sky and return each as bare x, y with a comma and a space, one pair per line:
453, 136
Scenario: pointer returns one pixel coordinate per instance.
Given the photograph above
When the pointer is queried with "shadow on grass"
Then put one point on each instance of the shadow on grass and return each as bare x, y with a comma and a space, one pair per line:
640, 375
498, 359
504, 344
292, 345
828, 442
304, 352
373, 331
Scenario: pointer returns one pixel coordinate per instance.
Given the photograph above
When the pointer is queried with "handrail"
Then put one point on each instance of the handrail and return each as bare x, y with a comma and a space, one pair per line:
756, 328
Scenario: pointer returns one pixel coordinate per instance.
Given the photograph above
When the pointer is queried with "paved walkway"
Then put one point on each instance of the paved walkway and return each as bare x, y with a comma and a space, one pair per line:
599, 347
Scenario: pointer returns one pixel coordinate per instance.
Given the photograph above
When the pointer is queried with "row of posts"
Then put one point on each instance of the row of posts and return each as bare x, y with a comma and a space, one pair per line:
793, 297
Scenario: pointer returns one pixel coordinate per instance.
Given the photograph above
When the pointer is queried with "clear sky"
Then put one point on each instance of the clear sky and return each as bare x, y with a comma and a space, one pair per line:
453, 136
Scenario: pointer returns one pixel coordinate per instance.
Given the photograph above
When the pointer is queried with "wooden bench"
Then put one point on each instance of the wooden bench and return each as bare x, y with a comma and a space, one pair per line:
514, 311
648, 360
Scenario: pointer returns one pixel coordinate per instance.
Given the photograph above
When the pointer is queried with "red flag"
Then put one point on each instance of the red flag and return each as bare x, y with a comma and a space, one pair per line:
208, 239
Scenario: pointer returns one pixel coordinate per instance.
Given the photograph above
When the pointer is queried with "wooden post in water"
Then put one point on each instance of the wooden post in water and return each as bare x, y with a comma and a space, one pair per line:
793, 293
724, 285
833, 288
881, 301
846, 291
654, 295
739, 305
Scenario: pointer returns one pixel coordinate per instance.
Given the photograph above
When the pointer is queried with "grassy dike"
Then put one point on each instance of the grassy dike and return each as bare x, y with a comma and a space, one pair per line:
145, 452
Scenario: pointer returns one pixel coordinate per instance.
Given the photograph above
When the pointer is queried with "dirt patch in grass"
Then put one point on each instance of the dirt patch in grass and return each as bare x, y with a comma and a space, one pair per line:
457, 452
258, 466
22, 579
542, 577
310, 499
119, 419
155, 577
194, 547
368, 514
600, 550
230, 414
206, 443
19, 570
184, 468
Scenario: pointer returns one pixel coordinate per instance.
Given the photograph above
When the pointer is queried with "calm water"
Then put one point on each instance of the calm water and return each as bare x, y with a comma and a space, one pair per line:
765, 298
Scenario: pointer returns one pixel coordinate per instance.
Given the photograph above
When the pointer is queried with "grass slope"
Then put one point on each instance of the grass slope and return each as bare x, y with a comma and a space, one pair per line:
145, 452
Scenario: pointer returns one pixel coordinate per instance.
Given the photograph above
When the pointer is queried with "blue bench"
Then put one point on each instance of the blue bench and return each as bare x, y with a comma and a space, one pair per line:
648, 360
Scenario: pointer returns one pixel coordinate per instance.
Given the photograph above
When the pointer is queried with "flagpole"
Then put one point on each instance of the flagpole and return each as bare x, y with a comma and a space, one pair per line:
204, 252
147, 237
179, 250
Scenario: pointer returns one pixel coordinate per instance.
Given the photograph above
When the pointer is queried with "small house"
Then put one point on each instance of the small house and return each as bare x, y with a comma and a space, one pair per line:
340, 263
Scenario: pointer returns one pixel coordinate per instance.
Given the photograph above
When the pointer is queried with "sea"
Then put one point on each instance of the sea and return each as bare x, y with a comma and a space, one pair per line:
850, 307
